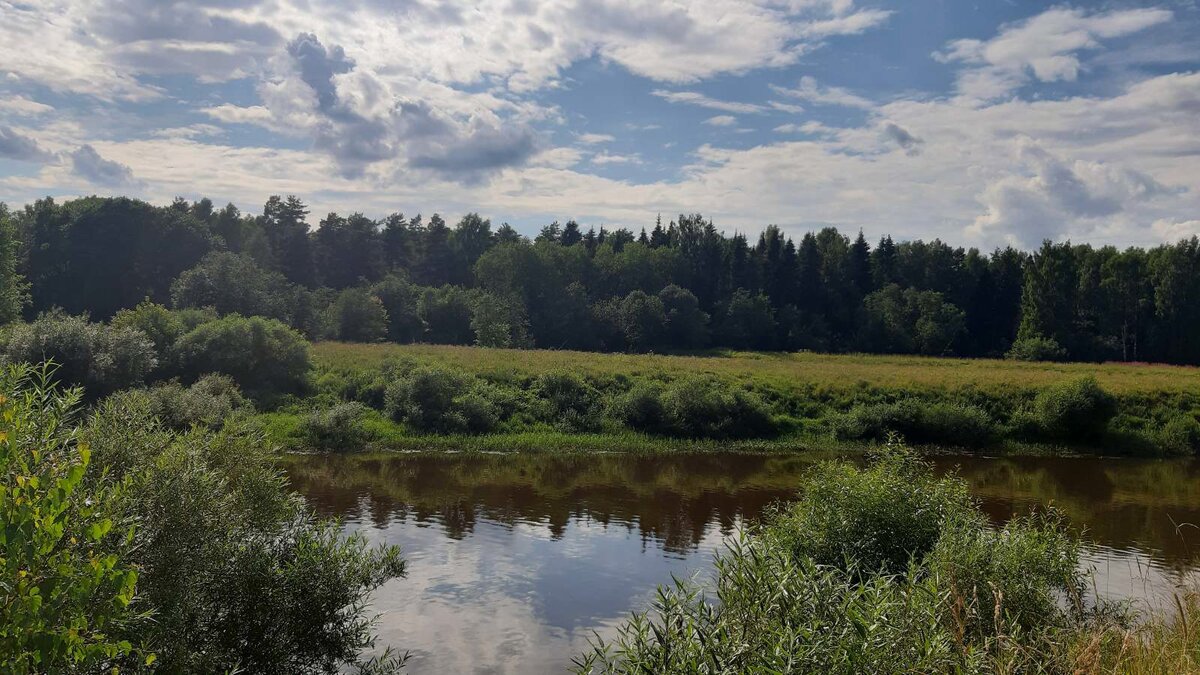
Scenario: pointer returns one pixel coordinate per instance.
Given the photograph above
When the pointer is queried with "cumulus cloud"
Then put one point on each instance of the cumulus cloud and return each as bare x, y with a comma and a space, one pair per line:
1044, 48
1055, 193
355, 117
14, 145
89, 165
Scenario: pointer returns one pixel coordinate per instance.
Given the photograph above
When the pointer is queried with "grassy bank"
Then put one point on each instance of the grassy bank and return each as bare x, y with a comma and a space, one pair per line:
425, 397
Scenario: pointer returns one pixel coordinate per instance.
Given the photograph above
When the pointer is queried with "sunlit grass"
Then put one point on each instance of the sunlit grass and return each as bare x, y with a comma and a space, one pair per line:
779, 370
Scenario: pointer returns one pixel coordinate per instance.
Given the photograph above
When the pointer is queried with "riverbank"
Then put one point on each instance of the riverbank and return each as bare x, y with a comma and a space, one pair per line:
425, 397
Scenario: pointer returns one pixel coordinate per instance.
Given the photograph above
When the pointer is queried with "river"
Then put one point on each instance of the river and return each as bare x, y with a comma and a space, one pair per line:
516, 561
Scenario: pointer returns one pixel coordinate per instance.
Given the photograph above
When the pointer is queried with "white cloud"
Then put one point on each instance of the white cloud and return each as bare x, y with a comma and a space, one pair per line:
595, 139
721, 121
1044, 48
603, 158
703, 101
810, 91
1172, 230
19, 105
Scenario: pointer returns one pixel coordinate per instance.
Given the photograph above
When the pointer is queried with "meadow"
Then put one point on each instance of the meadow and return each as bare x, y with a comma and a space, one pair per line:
782, 370
431, 397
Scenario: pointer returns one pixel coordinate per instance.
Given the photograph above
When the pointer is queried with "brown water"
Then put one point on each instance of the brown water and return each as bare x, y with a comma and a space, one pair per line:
515, 561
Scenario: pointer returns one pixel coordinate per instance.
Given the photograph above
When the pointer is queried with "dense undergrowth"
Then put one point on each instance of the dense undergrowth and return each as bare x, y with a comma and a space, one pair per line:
416, 401
127, 546
892, 569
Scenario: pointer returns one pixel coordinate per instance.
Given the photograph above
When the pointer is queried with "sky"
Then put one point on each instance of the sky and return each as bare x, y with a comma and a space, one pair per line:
982, 123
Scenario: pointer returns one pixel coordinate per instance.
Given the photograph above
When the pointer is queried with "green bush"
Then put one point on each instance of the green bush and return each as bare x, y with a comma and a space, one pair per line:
158, 323
873, 519
66, 582
641, 408
1073, 411
574, 405
1036, 348
338, 428
440, 400
264, 356
883, 569
1026, 571
705, 407
100, 358
210, 402
918, 422
236, 572
694, 407
1180, 435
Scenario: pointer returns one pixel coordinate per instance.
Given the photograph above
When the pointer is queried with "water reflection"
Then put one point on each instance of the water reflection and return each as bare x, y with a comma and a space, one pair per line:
514, 560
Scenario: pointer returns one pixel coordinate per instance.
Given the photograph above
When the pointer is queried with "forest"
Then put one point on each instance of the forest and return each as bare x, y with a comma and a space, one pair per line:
682, 284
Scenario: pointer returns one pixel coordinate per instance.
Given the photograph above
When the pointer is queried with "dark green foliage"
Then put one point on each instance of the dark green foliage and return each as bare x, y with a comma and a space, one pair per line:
441, 400
399, 298
236, 572
356, 315
574, 405
918, 421
909, 321
1074, 411
446, 315
156, 322
338, 428
1036, 348
1180, 435
101, 358
210, 402
14, 291
571, 290
99, 255
695, 407
234, 284
264, 356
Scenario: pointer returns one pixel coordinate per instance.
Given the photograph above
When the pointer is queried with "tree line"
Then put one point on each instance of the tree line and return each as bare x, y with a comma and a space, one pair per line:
682, 284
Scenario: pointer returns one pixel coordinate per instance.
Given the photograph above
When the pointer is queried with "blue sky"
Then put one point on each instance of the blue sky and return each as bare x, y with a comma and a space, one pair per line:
982, 123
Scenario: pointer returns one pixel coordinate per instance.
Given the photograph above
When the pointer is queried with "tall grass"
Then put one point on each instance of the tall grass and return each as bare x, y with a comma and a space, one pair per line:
889, 568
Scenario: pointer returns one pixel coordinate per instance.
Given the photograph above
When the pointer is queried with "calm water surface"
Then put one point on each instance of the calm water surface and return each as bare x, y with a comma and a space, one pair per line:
515, 561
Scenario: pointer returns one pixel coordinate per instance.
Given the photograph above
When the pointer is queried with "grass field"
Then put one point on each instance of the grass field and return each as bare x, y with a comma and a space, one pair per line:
781, 371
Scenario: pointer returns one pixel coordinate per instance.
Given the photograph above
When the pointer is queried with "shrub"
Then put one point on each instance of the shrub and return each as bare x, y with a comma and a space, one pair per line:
1037, 348
804, 592
338, 428
440, 400
1180, 435
873, 519
209, 402
1024, 570
574, 405
706, 407
100, 358
1074, 410
918, 422
264, 356
641, 408
236, 572
67, 581
158, 323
